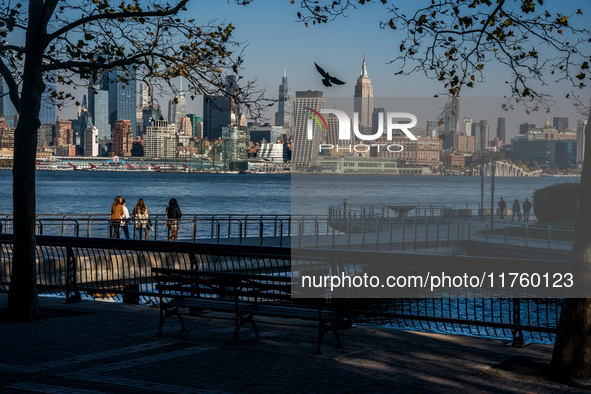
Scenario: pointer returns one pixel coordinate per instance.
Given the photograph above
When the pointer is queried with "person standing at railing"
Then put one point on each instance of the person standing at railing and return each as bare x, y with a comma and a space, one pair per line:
125, 219
173, 214
116, 214
502, 207
526, 209
141, 218
516, 211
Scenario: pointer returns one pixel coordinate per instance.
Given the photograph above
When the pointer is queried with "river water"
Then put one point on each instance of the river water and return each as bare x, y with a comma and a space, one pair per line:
210, 193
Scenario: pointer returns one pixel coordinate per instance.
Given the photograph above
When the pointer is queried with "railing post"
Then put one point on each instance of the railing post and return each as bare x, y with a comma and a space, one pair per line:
194, 229
516, 330
549, 238
377, 235
261, 232
281, 234
403, 232
240, 232
390, 248
72, 293
89, 228
426, 234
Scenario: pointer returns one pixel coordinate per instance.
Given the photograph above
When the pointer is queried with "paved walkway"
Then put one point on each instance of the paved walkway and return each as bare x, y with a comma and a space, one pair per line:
100, 347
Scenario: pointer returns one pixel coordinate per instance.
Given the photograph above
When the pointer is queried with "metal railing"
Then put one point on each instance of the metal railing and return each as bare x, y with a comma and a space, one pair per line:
121, 269
352, 232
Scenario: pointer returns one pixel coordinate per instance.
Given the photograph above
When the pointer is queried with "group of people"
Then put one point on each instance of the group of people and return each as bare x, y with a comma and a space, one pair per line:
515, 210
141, 218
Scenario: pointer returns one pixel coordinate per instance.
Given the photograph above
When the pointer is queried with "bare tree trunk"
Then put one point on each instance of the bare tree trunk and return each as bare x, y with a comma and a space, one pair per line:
22, 295
572, 349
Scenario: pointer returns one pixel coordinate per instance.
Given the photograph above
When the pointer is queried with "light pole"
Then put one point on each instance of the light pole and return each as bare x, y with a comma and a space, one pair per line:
492, 195
482, 192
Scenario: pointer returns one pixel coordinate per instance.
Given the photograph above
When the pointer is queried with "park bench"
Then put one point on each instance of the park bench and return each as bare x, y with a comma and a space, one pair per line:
244, 295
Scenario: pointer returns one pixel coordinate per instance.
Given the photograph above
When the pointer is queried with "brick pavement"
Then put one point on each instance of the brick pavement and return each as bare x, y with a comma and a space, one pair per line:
112, 348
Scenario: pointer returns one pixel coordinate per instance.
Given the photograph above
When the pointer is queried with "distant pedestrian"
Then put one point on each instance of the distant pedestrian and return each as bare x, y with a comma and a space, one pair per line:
516, 211
173, 214
526, 209
116, 214
141, 218
502, 207
125, 219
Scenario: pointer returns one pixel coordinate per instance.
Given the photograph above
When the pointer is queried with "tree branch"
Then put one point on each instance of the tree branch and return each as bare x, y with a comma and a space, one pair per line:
115, 15
12, 86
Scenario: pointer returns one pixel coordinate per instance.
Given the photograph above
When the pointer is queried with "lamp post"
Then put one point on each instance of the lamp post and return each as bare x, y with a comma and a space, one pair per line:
492, 195
482, 192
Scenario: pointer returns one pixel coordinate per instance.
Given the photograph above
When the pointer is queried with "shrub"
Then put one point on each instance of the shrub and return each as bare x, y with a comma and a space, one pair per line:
556, 202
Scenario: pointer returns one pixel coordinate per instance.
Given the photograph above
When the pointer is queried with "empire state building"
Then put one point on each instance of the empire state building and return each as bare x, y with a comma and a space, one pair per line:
363, 98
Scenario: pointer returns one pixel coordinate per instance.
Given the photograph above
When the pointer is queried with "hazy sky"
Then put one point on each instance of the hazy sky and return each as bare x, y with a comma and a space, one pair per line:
276, 41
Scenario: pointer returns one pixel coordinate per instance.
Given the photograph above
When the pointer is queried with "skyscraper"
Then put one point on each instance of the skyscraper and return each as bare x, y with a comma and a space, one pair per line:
363, 98
91, 147
160, 140
98, 106
284, 113
196, 125
177, 107
581, 124
8, 110
501, 131
483, 134
524, 128
48, 113
233, 90
304, 150
217, 113
122, 138
451, 120
560, 124
177, 110
122, 96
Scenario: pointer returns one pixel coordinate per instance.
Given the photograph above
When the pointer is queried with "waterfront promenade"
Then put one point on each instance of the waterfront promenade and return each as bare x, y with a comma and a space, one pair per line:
101, 347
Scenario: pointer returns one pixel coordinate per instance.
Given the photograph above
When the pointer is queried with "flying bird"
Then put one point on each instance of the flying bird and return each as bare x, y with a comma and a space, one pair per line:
327, 79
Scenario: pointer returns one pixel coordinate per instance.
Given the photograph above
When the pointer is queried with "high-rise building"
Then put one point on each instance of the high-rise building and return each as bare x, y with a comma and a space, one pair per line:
217, 113
185, 127
433, 129
160, 140
91, 141
196, 125
363, 98
467, 126
463, 142
483, 134
122, 138
232, 89
560, 124
98, 107
45, 134
235, 147
177, 108
63, 133
8, 111
284, 114
451, 119
524, 128
304, 150
122, 96
501, 130
48, 113
581, 124
477, 136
